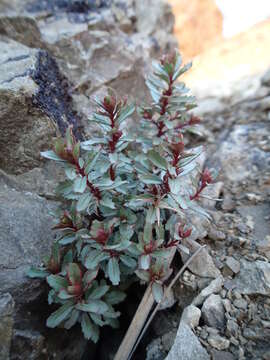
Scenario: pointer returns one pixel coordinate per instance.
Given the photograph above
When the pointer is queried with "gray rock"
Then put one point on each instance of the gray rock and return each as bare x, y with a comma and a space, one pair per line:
255, 216
29, 212
236, 157
213, 312
202, 264
191, 316
231, 266
266, 78
222, 355
253, 278
6, 325
25, 130
27, 344
187, 346
218, 342
214, 287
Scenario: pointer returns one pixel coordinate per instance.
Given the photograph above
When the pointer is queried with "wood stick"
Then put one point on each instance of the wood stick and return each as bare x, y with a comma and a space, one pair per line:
180, 272
136, 325
138, 321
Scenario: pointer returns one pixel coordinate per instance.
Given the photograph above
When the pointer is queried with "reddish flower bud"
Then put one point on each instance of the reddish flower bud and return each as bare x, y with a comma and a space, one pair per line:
102, 236
184, 233
194, 120
147, 114
109, 103
177, 148
117, 135
75, 289
169, 58
206, 177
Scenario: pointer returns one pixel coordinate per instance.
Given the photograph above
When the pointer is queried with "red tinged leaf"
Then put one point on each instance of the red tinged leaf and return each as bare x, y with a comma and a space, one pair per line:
74, 274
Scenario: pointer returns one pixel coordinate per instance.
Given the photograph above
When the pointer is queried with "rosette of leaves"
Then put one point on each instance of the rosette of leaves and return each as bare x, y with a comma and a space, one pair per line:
84, 300
128, 199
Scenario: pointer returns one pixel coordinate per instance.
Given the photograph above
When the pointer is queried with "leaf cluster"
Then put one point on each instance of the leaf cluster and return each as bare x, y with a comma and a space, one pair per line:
127, 202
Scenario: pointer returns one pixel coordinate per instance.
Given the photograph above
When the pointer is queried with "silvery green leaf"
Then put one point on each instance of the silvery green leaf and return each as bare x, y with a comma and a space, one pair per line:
128, 261
80, 184
188, 168
175, 185
98, 292
51, 155
115, 297
94, 306
150, 179
113, 158
157, 291
157, 160
90, 330
113, 271
67, 239
125, 113
182, 70
90, 162
94, 258
97, 319
143, 275
70, 173
107, 202
60, 315
144, 261
37, 273
181, 201
72, 320
84, 201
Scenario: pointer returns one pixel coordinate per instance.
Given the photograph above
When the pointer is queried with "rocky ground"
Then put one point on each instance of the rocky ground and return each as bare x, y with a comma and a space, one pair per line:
226, 316
55, 55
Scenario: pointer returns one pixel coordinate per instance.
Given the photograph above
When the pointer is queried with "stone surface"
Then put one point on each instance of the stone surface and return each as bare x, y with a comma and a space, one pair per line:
218, 342
6, 324
192, 29
191, 316
202, 264
187, 346
214, 287
232, 266
254, 278
24, 130
213, 312
29, 212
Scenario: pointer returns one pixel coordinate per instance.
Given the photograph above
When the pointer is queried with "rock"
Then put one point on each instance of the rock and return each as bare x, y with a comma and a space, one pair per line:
253, 278
261, 227
231, 266
214, 287
23, 29
191, 24
213, 312
27, 78
237, 158
154, 350
6, 324
222, 355
20, 149
29, 212
202, 264
232, 328
169, 301
191, 316
218, 342
187, 346
266, 78
27, 345
240, 304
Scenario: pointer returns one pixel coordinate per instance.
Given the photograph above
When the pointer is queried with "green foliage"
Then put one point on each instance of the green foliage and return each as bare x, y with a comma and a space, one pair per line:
128, 200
